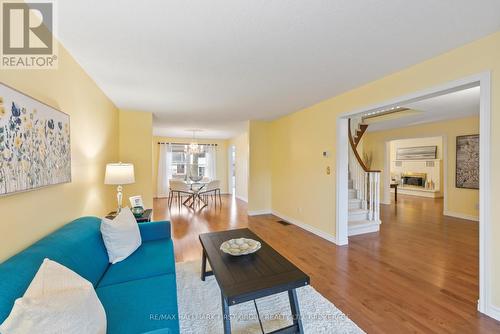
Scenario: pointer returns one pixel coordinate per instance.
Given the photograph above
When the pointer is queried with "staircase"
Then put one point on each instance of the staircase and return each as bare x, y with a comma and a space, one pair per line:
359, 216
364, 187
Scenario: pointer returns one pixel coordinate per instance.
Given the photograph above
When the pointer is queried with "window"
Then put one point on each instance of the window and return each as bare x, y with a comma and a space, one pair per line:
181, 162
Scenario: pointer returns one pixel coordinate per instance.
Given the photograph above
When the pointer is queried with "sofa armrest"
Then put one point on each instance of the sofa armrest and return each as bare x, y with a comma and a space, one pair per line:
155, 230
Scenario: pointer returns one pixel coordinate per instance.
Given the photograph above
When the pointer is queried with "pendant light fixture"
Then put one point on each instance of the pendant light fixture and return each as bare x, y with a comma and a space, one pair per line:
194, 147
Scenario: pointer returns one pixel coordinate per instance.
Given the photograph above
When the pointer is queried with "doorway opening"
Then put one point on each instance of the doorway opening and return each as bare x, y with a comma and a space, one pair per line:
343, 158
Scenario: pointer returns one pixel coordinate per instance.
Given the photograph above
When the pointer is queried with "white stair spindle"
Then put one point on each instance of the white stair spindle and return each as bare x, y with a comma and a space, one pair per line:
370, 203
365, 180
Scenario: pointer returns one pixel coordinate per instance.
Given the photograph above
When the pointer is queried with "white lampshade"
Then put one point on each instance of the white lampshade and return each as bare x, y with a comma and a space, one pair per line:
119, 173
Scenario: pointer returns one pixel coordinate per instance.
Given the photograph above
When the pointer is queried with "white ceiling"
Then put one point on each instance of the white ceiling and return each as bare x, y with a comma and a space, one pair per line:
198, 63
454, 105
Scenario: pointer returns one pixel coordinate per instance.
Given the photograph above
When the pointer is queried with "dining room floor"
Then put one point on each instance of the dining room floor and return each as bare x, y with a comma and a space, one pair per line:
418, 274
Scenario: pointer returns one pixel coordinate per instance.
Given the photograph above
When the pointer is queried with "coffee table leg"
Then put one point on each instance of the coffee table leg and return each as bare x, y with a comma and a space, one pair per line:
225, 316
203, 265
294, 306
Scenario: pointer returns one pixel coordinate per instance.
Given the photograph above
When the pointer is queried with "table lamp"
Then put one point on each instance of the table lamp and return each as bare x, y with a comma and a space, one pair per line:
119, 174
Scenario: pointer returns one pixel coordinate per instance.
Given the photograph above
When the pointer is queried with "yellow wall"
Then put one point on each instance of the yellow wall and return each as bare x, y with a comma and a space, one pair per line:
221, 162
458, 201
260, 153
136, 135
27, 217
300, 188
241, 165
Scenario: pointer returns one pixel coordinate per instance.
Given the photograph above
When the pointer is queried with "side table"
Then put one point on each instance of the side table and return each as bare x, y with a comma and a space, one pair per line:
146, 216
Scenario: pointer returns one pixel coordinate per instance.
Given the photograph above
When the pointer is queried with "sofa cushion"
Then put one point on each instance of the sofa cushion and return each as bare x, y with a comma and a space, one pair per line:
121, 235
77, 245
152, 258
58, 300
142, 305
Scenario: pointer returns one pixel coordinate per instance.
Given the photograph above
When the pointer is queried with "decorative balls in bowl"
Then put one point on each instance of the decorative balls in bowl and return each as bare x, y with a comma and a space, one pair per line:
240, 246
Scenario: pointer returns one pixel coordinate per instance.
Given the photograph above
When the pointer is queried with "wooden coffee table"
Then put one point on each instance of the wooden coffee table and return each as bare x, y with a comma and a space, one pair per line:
249, 277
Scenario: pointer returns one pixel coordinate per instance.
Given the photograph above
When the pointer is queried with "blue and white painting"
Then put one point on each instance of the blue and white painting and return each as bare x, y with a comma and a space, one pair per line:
35, 146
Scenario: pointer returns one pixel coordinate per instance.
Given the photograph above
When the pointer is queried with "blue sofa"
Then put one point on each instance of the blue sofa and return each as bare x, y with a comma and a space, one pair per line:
139, 294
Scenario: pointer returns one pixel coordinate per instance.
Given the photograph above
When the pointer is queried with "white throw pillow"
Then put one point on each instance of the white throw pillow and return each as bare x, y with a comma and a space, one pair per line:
121, 235
58, 300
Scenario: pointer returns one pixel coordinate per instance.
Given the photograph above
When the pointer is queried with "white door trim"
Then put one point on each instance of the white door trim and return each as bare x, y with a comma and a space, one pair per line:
485, 294
342, 214
230, 168
484, 80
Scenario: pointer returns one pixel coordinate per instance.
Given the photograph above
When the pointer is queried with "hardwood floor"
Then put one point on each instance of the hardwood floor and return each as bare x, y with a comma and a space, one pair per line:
419, 274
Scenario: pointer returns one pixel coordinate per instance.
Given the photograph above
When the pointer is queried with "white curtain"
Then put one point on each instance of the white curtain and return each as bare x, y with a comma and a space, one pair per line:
164, 169
211, 155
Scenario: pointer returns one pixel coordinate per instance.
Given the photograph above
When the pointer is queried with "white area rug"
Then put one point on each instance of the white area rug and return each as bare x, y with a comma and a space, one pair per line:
200, 309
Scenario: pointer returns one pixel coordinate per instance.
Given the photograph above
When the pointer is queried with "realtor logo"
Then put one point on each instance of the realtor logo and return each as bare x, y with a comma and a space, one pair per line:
27, 35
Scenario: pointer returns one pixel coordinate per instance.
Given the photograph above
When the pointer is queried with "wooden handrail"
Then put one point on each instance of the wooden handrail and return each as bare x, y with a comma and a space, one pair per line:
356, 154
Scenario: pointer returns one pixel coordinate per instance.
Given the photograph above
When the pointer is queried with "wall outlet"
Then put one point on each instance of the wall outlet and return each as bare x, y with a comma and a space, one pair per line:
299, 210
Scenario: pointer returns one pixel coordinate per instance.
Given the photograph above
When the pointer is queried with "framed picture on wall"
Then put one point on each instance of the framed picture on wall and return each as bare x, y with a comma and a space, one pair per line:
416, 153
467, 166
35, 149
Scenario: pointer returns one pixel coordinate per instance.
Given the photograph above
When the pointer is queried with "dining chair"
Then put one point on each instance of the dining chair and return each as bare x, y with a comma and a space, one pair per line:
212, 188
178, 187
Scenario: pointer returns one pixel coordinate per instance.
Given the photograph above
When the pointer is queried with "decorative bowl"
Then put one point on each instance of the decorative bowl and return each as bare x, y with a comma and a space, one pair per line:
240, 246
137, 211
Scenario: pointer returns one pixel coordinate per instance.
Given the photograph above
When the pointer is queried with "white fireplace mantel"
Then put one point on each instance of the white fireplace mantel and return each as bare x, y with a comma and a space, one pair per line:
433, 170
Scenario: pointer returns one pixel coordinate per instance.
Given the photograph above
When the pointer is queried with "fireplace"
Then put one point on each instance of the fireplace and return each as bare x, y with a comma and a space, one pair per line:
414, 179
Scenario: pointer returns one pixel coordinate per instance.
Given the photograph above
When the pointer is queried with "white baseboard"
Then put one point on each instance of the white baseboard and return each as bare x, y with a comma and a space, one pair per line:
259, 212
311, 229
241, 198
493, 311
460, 215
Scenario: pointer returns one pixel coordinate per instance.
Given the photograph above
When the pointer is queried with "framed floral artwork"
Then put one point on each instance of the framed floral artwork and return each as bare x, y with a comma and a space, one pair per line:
35, 148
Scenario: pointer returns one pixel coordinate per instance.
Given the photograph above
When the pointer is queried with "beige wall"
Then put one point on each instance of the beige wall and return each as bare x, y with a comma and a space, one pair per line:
241, 164
29, 216
300, 187
136, 135
221, 156
457, 201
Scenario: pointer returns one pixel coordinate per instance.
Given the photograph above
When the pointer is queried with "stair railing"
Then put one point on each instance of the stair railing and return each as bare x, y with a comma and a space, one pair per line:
365, 180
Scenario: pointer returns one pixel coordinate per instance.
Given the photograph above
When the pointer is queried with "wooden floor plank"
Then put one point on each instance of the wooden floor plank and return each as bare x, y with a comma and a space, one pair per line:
419, 274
